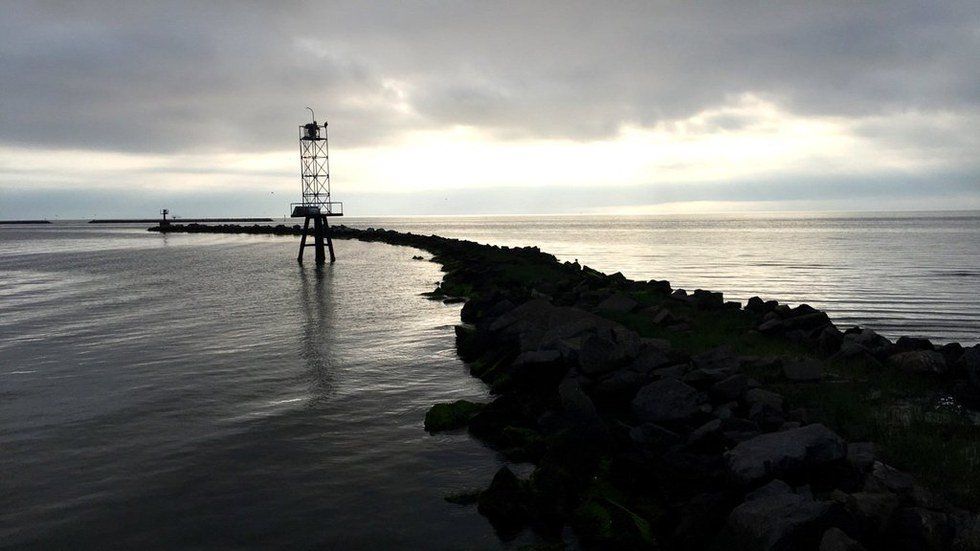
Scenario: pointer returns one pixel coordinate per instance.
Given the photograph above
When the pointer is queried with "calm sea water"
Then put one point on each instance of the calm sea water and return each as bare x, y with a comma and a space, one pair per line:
901, 274
204, 390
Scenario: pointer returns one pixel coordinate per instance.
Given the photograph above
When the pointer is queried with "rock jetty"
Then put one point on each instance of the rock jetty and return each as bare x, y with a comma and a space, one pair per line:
658, 418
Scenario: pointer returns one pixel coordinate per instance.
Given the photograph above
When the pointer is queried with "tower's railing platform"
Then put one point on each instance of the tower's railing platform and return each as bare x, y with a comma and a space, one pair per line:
331, 208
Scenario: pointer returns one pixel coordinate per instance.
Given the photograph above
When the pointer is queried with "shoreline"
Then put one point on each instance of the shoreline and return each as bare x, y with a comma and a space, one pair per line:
657, 417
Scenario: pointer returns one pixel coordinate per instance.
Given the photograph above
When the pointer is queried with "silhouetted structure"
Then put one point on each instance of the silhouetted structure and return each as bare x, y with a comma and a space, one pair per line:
164, 222
316, 206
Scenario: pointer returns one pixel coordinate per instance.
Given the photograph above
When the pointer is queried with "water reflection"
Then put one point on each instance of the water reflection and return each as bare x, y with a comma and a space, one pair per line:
318, 328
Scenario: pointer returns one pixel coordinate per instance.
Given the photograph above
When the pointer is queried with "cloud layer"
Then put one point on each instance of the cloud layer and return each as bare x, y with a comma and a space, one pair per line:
191, 78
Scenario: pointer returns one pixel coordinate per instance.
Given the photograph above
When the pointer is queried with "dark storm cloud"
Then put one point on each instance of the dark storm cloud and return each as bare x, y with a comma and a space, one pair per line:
232, 76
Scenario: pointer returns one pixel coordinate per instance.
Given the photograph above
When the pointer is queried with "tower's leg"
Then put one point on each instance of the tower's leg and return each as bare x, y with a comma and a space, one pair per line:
302, 240
326, 227
318, 239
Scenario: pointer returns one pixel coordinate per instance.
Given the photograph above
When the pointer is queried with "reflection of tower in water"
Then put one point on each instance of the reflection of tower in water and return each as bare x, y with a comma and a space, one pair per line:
318, 326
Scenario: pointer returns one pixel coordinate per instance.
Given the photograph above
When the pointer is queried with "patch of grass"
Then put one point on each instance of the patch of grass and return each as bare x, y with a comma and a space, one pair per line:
913, 427
904, 415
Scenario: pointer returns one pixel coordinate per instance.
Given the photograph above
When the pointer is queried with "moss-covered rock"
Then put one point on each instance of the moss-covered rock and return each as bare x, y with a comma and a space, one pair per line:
449, 416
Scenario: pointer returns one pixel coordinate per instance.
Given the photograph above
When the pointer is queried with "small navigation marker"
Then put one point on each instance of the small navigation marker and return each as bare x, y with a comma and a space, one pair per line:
316, 204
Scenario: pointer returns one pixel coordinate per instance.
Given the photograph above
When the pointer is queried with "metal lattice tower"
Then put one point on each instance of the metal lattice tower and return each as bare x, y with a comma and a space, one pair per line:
315, 175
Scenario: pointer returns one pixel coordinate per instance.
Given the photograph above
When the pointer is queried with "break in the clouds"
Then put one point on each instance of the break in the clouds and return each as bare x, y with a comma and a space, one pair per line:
451, 97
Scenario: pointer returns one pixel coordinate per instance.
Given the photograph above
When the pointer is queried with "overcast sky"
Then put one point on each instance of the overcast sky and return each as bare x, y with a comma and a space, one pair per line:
122, 108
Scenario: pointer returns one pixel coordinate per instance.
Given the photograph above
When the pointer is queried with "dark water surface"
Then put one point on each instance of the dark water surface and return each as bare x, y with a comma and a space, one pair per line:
204, 390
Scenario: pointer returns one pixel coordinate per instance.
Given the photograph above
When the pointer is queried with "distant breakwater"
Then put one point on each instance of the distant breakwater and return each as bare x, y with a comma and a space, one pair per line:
183, 220
661, 418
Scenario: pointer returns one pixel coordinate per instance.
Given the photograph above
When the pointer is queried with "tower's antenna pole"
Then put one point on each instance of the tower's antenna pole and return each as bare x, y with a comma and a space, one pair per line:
313, 114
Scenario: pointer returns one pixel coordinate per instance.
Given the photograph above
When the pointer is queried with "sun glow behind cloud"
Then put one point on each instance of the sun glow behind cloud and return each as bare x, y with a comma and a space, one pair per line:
749, 138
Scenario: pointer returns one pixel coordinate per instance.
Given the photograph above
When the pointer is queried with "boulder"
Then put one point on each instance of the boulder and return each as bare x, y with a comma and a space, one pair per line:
828, 340
730, 388
772, 327
918, 361
601, 354
761, 396
618, 303
721, 361
450, 416
788, 453
915, 528
871, 512
653, 438
777, 520
650, 358
834, 539
581, 413
539, 325
803, 370
861, 455
505, 502
757, 305
736, 429
622, 383
868, 339
807, 321
526, 359
707, 300
907, 344
969, 363
662, 316
667, 400
707, 437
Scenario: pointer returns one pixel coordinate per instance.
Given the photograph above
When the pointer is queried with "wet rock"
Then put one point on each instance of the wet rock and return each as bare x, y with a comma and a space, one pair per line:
803, 370
834, 539
783, 454
667, 400
505, 503
618, 302
450, 416
918, 362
